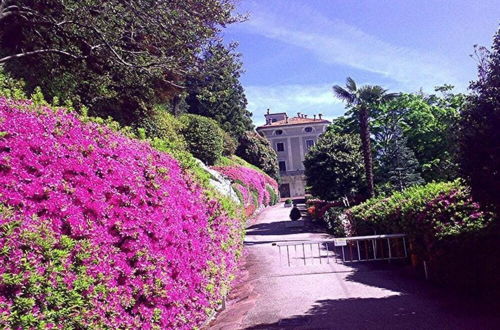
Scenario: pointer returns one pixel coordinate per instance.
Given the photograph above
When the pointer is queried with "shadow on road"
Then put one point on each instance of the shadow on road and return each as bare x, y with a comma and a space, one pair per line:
394, 312
410, 304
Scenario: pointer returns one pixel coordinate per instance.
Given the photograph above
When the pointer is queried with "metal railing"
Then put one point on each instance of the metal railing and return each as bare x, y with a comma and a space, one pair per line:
346, 249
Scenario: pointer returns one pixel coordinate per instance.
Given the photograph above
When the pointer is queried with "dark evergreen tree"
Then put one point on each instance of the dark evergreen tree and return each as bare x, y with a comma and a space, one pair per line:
480, 129
398, 167
257, 150
216, 91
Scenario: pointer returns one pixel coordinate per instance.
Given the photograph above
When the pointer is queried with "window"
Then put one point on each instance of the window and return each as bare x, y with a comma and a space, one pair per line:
280, 146
309, 144
278, 132
282, 165
274, 120
308, 129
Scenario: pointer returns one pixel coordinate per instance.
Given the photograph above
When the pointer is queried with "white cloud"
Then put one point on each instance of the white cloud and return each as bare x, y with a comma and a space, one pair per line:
333, 41
306, 99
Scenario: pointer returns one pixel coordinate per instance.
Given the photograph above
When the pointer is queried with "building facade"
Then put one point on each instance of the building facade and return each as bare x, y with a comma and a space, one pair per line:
291, 138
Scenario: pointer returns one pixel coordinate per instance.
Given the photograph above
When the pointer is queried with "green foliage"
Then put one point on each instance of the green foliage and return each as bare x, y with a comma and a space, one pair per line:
398, 167
96, 53
162, 125
429, 125
257, 150
216, 91
333, 167
204, 137
48, 288
273, 195
480, 129
11, 88
445, 227
230, 145
333, 218
359, 102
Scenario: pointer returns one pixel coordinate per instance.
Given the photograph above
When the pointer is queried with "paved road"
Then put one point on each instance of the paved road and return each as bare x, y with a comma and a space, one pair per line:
335, 295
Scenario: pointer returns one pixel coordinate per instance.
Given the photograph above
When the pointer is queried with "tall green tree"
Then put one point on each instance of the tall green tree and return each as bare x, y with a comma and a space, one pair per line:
116, 56
429, 124
480, 129
333, 167
398, 168
257, 150
216, 91
361, 100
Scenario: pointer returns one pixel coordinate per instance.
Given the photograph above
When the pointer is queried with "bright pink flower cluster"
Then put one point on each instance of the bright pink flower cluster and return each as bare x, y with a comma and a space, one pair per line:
248, 181
162, 249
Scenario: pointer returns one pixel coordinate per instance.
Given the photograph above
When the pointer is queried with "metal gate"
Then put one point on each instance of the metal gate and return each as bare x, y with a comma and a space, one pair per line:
346, 249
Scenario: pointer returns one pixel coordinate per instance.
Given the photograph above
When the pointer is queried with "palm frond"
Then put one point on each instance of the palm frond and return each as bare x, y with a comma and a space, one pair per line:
351, 84
343, 94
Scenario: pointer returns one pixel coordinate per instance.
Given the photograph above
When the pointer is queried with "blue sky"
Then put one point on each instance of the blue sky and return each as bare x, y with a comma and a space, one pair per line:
294, 51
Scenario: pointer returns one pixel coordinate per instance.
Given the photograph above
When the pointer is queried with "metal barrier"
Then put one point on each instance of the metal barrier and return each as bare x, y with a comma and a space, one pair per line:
346, 249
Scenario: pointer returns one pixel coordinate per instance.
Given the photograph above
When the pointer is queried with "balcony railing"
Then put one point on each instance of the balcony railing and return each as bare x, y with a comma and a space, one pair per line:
291, 173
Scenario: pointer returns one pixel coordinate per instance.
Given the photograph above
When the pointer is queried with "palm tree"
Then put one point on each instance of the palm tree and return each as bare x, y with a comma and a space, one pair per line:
362, 99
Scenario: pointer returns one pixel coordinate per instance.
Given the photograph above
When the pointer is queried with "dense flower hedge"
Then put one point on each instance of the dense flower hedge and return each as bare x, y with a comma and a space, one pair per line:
103, 230
446, 228
255, 189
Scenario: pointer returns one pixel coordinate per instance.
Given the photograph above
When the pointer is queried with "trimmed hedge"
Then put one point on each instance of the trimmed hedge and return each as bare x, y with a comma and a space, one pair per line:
445, 228
204, 137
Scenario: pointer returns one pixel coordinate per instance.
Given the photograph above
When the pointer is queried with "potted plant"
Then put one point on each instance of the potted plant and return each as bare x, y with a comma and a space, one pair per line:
288, 203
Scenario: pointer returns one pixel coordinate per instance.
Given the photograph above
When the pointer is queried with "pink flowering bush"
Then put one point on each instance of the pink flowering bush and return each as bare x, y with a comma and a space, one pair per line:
100, 230
254, 187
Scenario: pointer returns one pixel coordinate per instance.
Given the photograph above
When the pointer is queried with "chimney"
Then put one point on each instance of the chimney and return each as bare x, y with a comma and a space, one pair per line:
286, 118
320, 115
298, 114
305, 116
314, 117
268, 110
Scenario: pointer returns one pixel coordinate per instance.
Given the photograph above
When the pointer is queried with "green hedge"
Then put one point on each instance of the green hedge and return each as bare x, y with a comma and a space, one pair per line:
204, 137
445, 228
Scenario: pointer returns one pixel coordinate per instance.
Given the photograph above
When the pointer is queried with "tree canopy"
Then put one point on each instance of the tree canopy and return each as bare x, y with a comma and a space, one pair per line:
333, 167
360, 101
257, 150
480, 129
115, 56
216, 91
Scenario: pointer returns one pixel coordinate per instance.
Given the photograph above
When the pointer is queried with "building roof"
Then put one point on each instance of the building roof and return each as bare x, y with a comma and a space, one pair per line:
294, 121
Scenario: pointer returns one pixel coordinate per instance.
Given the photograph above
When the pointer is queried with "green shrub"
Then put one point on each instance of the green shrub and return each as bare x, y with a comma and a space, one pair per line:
165, 126
334, 166
230, 144
273, 195
11, 88
257, 150
445, 228
204, 137
333, 219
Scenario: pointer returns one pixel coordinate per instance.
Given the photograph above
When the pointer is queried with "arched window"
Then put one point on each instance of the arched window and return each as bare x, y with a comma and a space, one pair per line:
308, 129
278, 132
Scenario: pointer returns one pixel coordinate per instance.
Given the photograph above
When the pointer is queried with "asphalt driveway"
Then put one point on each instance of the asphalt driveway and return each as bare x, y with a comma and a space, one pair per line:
272, 295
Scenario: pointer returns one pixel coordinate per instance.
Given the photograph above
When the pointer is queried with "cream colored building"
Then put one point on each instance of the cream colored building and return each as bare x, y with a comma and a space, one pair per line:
291, 138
